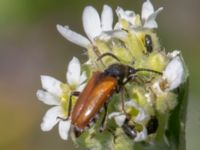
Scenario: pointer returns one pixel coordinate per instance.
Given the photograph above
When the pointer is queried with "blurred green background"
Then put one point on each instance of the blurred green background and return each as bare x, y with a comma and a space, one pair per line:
31, 46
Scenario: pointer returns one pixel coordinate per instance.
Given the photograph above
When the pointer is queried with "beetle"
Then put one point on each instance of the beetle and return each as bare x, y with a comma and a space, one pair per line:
129, 129
148, 43
95, 96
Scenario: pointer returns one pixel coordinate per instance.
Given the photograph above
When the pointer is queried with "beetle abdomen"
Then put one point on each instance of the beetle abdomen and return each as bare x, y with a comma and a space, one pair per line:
95, 101
83, 97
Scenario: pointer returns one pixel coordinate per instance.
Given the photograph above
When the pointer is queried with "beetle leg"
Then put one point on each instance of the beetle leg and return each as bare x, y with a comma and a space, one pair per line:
108, 54
103, 122
122, 99
75, 93
137, 79
112, 132
121, 89
128, 80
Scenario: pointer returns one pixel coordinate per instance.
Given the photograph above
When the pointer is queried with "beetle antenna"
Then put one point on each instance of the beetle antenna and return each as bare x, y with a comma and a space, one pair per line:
148, 70
108, 54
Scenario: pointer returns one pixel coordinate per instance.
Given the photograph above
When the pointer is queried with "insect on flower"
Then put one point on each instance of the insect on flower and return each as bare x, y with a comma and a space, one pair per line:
100, 87
136, 123
130, 131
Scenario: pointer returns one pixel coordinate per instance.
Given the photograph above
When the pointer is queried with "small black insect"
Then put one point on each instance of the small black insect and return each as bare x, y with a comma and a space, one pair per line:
148, 43
152, 125
129, 129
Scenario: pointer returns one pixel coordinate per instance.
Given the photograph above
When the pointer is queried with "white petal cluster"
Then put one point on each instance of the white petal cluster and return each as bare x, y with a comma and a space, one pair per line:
173, 74
142, 116
52, 95
96, 26
93, 26
127, 15
148, 16
141, 119
74, 76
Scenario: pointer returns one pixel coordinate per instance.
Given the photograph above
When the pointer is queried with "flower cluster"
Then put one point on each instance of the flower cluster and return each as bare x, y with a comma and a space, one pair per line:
57, 94
134, 43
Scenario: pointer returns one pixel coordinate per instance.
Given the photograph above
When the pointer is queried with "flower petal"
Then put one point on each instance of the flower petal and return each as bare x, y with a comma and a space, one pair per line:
142, 115
141, 136
91, 22
64, 128
73, 72
50, 118
47, 98
131, 103
81, 87
119, 118
127, 15
174, 73
147, 10
81, 84
119, 34
106, 18
83, 77
88, 62
73, 36
173, 54
114, 114
51, 84
150, 22
157, 88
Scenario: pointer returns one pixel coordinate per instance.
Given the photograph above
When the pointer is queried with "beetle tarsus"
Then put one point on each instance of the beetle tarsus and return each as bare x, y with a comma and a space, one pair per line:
103, 123
63, 119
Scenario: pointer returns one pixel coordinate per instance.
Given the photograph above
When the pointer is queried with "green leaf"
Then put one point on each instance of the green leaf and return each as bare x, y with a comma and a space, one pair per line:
177, 120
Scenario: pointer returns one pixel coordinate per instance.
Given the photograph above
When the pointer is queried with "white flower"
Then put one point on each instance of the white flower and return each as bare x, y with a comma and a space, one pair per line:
74, 76
148, 16
127, 15
119, 118
174, 73
53, 94
93, 26
142, 135
172, 77
141, 118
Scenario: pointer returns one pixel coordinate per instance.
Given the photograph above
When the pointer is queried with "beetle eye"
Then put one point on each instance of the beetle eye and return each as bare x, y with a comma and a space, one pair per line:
131, 71
148, 43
